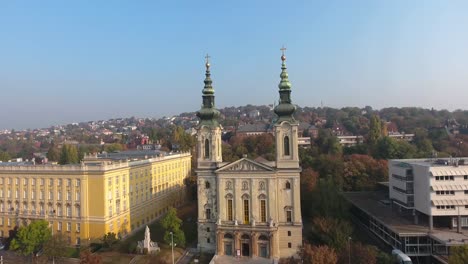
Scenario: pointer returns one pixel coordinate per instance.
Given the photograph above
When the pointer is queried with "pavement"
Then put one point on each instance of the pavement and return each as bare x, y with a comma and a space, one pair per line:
187, 256
244, 260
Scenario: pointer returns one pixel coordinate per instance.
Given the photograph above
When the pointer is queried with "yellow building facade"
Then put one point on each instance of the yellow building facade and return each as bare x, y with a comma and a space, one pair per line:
87, 200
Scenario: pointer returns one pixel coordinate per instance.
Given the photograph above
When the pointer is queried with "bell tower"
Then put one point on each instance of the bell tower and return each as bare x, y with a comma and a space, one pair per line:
209, 155
285, 126
209, 130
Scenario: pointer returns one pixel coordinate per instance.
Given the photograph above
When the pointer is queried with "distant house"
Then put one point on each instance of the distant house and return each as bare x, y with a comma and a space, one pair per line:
254, 114
252, 129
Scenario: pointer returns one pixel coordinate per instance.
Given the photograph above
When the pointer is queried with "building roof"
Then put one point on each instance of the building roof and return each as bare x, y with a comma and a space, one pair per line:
373, 204
259, 127
448, 163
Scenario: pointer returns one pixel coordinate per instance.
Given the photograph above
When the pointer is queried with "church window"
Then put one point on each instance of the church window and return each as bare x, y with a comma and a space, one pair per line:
208, 240
289, 215
289, 245
207, 185
289, 233
246, 212
229, 210
207, 229
207, 149
263, 210
208, 213
286, 146
288, 185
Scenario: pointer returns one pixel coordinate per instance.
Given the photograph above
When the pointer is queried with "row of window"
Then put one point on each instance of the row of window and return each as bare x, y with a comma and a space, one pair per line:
446, 207
449, 192
68, 182
444, 178
245, 185
246, 211
39, 210
68, 195
449, 178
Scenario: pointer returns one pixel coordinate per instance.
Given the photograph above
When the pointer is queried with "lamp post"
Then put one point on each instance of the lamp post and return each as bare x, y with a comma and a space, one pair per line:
172, 245
349, 250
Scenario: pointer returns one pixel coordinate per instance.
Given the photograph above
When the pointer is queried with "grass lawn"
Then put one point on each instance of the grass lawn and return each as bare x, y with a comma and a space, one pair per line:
164, 254
112, 257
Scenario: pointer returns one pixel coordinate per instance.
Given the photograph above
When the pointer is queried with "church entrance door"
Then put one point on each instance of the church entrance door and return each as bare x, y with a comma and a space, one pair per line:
228, 249
245, 249
263, 251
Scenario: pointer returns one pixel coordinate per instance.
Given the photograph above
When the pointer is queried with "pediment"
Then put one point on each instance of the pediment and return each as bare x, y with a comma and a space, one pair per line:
244, 165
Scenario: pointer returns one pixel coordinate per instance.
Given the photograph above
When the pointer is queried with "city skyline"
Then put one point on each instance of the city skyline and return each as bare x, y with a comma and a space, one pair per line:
73, 62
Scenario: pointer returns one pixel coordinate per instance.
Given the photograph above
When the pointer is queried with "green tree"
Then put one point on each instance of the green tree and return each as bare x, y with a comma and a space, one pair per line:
172, 223
375, 130
4, 156
53, 154
56, 246
109, 239
31, 238
458, 255
69, 155
389, 148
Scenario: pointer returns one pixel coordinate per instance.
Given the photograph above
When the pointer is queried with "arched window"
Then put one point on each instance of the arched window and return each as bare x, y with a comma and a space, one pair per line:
288, 185
286, 146
246, 210
207, 185
207, 149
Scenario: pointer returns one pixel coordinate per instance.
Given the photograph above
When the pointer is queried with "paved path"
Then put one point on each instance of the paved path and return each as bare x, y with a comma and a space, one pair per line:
233, 260
187, 256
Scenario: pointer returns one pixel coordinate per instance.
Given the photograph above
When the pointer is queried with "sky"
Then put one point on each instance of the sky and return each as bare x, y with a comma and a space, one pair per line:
73, 61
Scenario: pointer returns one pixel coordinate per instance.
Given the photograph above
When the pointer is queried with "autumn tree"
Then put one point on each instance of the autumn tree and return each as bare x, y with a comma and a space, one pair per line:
319, 254
458, 255
31, 238
362, 172
332, 232
360, 253
87, 257
309, 179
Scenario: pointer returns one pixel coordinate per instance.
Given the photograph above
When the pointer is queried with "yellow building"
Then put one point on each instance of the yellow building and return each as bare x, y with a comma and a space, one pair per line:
118, 193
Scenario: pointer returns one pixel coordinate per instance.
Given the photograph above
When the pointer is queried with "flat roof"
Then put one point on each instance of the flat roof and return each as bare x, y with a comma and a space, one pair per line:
434, 162
372, 203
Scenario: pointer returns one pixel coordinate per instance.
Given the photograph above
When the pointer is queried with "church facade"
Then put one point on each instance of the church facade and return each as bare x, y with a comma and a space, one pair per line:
249, 208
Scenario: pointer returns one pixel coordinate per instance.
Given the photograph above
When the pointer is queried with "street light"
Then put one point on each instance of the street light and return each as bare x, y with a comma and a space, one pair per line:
172, 244
349, 250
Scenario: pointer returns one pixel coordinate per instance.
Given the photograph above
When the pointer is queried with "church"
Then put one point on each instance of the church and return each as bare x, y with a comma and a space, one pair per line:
248, 208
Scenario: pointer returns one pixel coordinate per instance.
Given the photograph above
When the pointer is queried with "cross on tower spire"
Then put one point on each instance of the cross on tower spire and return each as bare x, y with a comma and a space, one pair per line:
207, 58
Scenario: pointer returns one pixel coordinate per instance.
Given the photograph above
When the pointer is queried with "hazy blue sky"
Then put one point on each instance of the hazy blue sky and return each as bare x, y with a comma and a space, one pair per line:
71, 61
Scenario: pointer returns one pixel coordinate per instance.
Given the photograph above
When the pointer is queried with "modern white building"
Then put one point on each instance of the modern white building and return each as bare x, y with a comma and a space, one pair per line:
435, 190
